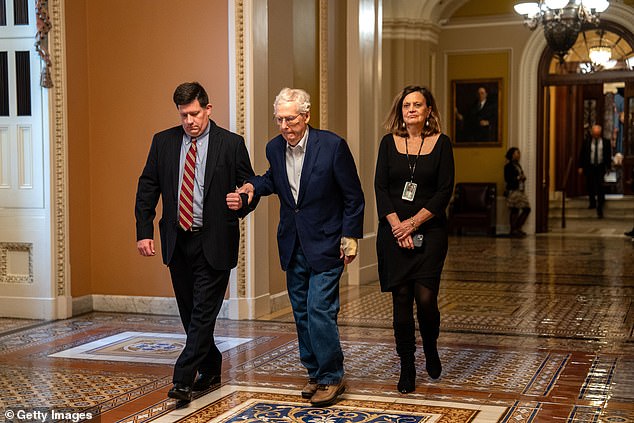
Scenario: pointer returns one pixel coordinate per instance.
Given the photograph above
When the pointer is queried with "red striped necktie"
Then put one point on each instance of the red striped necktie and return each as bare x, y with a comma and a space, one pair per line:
186, 199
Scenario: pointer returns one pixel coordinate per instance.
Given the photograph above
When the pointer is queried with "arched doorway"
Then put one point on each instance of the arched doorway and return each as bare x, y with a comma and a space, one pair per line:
572, 96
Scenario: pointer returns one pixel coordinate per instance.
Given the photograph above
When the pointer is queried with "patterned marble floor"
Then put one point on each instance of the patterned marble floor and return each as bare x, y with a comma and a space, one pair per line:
539, 329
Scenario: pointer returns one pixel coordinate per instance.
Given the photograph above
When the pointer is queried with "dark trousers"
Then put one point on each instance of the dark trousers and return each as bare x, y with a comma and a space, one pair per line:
594, 184
199, 291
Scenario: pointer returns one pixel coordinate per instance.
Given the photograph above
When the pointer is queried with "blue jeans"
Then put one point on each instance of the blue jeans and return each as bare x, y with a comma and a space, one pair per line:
315, 300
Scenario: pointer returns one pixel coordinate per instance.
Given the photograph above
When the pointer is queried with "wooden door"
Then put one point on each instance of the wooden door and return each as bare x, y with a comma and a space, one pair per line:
543, 162
628, 138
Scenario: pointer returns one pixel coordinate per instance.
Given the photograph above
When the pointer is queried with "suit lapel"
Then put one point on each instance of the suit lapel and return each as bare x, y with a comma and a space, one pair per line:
312, 150
280, 163
213, 151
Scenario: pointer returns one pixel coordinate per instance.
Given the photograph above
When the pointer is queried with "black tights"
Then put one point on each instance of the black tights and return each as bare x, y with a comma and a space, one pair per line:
403, 297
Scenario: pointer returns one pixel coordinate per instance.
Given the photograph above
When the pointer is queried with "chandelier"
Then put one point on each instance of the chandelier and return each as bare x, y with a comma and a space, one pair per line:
561, 19
600, 55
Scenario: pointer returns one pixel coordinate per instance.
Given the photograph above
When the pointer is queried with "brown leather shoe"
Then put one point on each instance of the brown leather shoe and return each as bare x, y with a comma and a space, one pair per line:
309, 390
327, 394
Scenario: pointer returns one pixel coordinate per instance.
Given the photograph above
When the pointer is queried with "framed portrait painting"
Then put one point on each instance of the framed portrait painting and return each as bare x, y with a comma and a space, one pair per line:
476, 117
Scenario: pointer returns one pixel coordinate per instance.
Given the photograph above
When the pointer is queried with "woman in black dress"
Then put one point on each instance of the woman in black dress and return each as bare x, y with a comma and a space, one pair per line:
516, 199
413, 184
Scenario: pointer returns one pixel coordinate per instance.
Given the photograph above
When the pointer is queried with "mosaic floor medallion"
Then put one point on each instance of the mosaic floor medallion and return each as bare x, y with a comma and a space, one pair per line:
244, 404
141, 347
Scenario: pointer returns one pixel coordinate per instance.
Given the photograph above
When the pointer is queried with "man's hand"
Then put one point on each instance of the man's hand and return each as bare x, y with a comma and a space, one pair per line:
234, 201
146, 247
346, 259
247, 189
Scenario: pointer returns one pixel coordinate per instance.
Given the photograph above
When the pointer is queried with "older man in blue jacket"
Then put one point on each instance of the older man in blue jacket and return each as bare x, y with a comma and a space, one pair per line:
321, 217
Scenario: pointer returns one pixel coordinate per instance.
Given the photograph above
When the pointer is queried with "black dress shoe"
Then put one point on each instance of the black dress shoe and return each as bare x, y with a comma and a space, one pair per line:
205, 380
180, 392
630, 233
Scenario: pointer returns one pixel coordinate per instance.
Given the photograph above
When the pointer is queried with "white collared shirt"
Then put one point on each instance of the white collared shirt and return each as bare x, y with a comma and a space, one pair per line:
295, 162
596, 144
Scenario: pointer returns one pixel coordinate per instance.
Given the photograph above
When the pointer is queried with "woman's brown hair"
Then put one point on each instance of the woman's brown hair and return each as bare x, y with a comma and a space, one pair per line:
395, 123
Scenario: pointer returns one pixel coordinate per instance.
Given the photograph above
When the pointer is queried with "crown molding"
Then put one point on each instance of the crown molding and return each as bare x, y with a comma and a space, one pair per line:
410, 29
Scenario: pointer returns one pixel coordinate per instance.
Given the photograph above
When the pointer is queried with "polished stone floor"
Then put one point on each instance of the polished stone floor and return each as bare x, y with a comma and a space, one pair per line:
533, 330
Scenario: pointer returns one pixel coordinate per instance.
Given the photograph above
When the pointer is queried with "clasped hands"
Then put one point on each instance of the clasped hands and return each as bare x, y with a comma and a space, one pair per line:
234, 200
402, 231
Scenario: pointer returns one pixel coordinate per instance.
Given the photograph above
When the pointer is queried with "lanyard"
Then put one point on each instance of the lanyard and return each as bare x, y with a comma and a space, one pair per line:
412, 168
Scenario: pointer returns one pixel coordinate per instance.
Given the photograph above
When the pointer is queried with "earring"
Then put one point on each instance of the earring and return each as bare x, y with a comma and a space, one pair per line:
427, 122
403, 124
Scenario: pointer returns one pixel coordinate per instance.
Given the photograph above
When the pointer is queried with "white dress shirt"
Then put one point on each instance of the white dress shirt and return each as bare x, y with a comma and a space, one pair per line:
596, 144
295, 162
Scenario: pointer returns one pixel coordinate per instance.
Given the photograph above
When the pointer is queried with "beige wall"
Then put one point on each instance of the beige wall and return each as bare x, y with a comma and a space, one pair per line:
405, 62
125, 59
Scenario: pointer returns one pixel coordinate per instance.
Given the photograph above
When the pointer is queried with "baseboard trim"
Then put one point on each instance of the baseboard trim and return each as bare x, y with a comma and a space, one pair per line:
135, 304
280, 301
83, 304
29, 307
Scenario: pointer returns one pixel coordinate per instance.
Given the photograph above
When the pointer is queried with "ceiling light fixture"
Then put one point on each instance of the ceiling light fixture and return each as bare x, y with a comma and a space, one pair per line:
561, 19
600, 55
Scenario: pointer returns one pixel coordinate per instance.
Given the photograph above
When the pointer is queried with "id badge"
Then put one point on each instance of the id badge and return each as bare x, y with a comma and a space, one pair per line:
409, 191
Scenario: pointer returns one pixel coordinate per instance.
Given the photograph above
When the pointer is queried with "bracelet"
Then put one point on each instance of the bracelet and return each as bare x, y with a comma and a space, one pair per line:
413, 223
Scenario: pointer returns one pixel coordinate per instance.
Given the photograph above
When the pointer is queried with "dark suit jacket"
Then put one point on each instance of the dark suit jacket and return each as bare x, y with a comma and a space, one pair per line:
227, 166
330, 202
584, 155
489, 112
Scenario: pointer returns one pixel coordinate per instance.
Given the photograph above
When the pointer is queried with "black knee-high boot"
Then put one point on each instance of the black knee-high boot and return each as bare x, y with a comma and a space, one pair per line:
429, 330
405, 337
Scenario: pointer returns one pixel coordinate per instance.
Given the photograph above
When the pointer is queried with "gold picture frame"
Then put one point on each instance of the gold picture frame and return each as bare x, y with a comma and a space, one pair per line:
476, 113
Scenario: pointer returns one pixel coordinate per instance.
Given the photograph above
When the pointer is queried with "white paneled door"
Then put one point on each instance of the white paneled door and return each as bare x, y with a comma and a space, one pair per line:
26, 275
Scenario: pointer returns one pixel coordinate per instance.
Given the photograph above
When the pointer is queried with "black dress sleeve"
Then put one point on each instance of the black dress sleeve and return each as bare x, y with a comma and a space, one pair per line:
445, 181
384, 205
147, 194
244, 171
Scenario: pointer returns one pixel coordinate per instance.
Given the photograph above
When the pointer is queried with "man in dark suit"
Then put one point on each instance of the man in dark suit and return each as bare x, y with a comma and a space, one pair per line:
482, 118
321, 217
594, 160
195, 168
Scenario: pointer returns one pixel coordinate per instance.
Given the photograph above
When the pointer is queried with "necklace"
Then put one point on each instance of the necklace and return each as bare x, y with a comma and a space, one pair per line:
409, 190
412, 167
